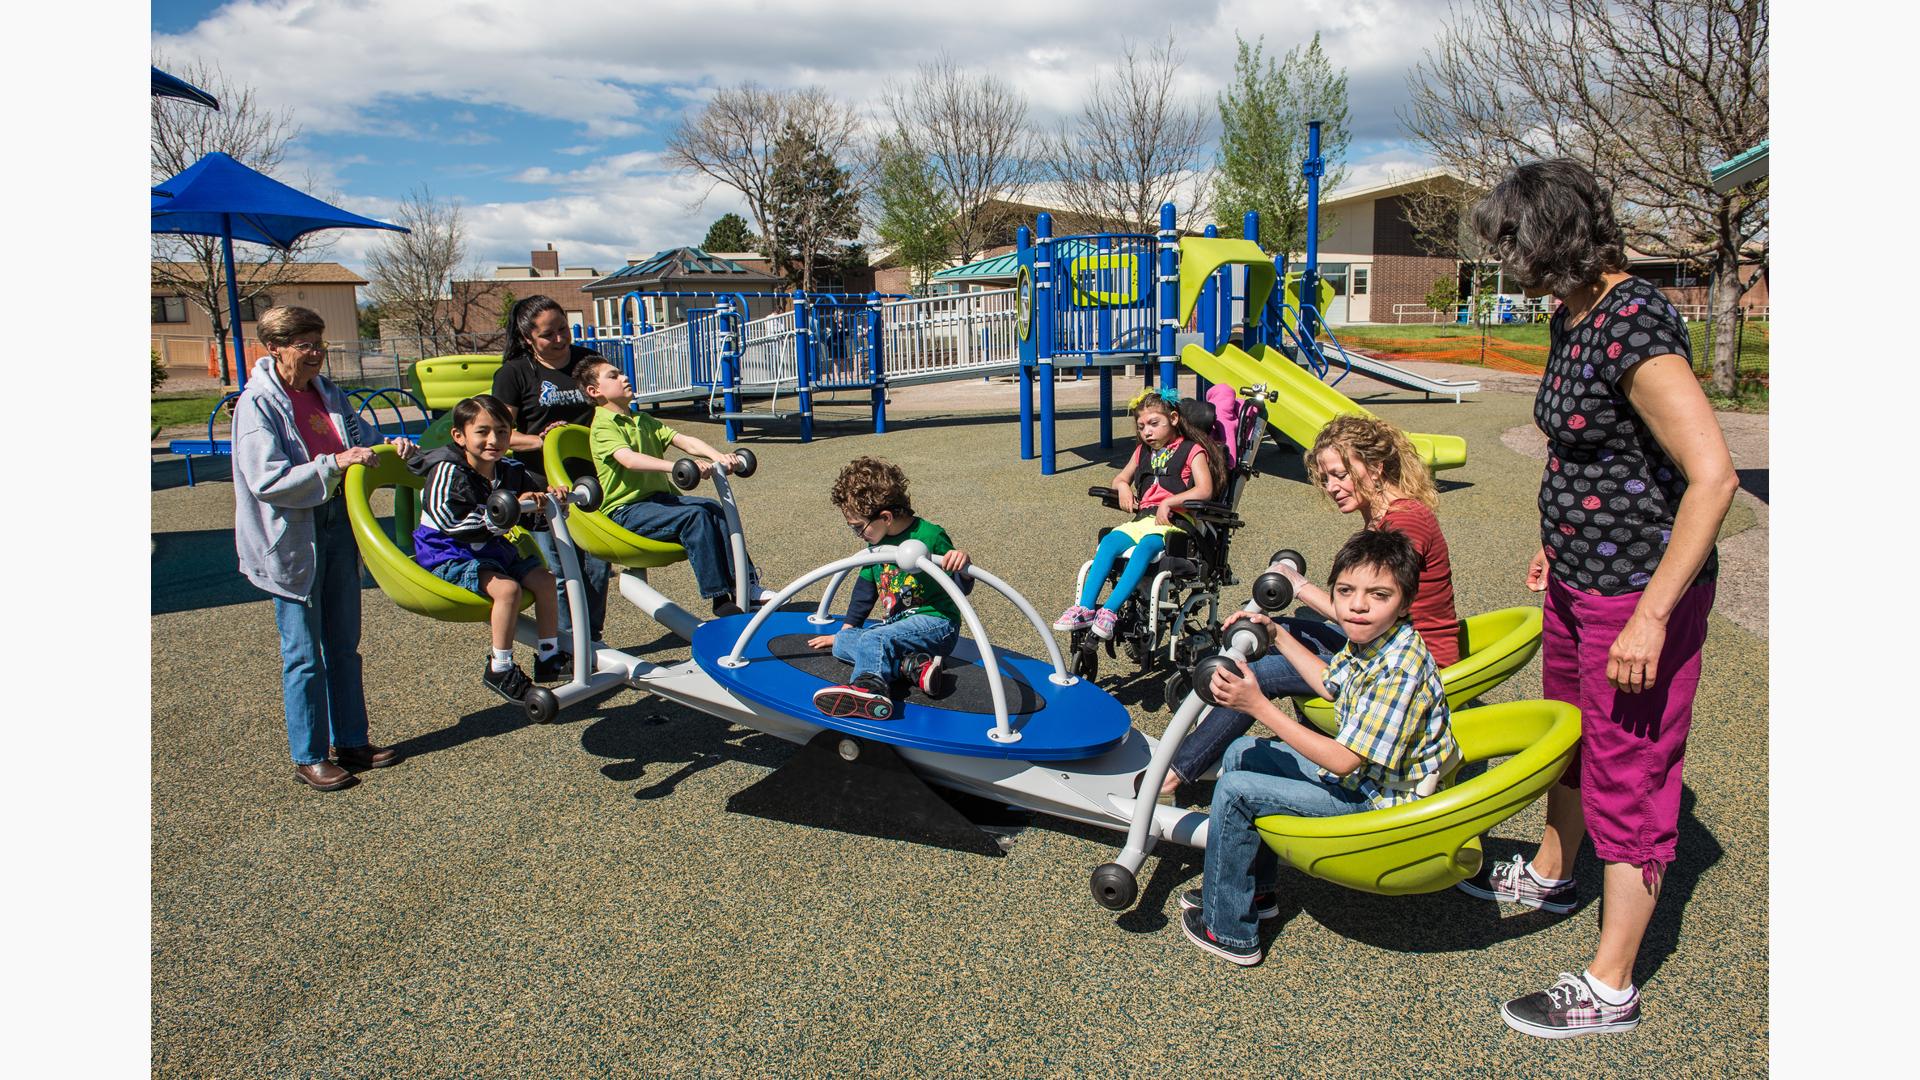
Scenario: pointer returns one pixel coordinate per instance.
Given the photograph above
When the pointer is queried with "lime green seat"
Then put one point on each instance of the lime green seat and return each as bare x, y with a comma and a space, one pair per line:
569, 452
1493, 646
410, 586
441, 382
1434, 842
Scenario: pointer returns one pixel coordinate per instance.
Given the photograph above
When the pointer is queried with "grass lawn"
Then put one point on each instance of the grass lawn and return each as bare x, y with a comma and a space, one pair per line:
175, 410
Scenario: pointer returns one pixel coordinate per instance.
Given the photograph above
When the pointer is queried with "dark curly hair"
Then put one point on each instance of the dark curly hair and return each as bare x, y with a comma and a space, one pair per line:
1551, 225
868, 485
1384, 549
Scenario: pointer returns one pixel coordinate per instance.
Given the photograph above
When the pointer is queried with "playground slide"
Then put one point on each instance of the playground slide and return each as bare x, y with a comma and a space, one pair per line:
1305, 403
1393, 375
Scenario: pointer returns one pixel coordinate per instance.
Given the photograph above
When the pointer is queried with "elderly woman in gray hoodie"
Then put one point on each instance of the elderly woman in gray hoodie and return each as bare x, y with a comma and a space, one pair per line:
294, 435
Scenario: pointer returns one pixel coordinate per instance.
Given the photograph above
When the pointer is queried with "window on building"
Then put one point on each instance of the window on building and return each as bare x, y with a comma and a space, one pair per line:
169, 309
252, 306
1359, 280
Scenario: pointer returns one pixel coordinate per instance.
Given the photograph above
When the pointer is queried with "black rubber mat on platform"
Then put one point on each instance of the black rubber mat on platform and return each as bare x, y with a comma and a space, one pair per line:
963, 683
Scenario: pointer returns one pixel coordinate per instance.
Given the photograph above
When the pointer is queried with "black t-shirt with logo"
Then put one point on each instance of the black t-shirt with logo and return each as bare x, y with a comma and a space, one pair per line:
540, 395
1609, 493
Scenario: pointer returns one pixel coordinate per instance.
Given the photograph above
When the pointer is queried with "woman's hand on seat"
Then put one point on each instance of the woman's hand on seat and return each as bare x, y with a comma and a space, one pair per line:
403, 446
353, 455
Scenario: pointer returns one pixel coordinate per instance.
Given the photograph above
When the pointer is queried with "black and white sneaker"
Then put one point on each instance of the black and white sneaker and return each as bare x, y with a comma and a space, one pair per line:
866, 698
1194, 925
555, 667
1570, 1008
1266, 904
511, 684
1510, 883
922, 670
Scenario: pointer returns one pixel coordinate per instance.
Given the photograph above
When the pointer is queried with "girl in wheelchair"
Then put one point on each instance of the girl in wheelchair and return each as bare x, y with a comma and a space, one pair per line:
1174, 464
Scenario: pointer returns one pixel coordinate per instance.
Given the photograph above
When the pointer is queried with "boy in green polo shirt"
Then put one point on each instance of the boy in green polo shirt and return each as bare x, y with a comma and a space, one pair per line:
628, 449
919, 623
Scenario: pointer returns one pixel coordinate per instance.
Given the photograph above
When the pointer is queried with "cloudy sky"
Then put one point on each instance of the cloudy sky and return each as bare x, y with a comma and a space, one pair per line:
547, 128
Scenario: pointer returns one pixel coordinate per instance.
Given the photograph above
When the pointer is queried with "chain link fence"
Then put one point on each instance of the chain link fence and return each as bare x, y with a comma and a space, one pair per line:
1752, 336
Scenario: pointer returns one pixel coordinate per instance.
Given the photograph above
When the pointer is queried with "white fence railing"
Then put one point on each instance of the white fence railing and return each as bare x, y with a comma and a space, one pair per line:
949, 334
1421, 314
767, 358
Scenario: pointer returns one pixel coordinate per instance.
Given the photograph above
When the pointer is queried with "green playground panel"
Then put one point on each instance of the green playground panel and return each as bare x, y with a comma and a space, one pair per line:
402, 579
569, 452
1494, 645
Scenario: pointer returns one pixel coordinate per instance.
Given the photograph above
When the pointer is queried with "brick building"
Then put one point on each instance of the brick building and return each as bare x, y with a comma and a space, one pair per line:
183, 334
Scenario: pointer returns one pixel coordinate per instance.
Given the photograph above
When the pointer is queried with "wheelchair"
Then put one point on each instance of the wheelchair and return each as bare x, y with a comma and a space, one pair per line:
1173, 619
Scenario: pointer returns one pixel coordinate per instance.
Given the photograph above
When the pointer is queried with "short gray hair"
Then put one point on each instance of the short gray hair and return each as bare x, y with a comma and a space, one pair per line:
280, 325
1551, 225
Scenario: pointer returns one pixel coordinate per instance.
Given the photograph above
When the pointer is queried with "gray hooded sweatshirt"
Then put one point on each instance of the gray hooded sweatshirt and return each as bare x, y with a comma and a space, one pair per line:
277, 484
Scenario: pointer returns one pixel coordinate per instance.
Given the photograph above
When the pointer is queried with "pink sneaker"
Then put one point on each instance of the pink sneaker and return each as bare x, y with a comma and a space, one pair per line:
1104, 621
1074, 618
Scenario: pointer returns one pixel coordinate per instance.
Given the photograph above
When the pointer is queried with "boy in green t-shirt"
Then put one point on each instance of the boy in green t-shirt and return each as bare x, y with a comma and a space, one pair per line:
919, 623
628, 449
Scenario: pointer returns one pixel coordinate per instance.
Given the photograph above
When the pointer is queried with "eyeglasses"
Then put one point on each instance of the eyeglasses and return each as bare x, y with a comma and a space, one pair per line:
859, 527
306, 346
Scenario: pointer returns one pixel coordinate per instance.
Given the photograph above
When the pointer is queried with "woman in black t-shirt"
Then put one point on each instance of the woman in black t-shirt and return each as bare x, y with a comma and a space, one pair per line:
1636, 483
535, 381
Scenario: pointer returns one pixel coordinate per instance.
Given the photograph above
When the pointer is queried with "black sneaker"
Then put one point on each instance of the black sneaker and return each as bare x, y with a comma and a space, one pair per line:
557, 667
865, 697
922, 670
1265, 904
511, 684
724, 606
1569, 1008
1510, 883
1194, 925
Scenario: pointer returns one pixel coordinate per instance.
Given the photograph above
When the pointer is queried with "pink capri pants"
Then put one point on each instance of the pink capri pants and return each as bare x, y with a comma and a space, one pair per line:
1627, 763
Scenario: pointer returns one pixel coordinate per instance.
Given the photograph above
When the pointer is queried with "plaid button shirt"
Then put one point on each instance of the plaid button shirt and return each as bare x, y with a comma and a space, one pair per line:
1393, 713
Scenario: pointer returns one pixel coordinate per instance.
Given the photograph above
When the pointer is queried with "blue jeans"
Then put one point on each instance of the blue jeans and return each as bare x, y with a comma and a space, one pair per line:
699, 525
878, 650
1257, 777
320, 646
593, 572
1109, 550
1216, 728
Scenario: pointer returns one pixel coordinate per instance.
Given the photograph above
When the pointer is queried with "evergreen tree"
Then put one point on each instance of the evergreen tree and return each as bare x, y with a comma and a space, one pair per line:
730, 233
916, 217
1263, 141
813, 205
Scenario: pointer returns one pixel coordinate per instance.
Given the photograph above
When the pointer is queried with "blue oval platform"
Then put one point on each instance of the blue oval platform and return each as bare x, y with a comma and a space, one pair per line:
1071, 722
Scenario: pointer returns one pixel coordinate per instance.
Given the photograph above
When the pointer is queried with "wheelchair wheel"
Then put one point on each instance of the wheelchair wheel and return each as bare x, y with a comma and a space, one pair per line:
1176, 688
1086, 659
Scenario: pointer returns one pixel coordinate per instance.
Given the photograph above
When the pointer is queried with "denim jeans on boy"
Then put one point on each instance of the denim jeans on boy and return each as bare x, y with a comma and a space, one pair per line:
878, 650
593, 579
1257, 777
1217, 727
320, 646
699, 525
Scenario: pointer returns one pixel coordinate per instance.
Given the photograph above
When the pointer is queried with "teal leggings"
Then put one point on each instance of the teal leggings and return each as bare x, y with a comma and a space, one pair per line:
1110, 548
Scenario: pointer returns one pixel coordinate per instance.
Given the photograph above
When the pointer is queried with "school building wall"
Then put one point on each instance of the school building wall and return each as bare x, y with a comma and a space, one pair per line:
185, 345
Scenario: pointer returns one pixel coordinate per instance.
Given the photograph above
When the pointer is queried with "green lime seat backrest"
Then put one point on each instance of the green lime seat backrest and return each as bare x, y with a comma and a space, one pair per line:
398, 575
1432, 843
444, 381
569, 452
1493, 646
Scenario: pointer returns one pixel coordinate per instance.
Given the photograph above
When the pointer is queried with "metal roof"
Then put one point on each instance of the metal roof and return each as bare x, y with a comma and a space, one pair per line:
679, 264
1008, 265
1743, 168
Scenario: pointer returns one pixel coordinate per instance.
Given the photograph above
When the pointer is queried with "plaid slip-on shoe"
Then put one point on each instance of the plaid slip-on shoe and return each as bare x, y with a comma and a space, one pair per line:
1569, 1008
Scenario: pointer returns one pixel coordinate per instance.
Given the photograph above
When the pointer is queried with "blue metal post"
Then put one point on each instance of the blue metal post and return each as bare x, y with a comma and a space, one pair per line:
1106, 406
803, 365
626, 344
1207, 314
1169, 238
1023, 239
1043, 326
1250, 319
876, 365
239, 358
1313, 169
729, 363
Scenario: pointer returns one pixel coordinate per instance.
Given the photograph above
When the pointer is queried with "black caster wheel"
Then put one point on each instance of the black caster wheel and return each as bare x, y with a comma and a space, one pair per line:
1177, 687
541, 705
1086, 662
1114, 886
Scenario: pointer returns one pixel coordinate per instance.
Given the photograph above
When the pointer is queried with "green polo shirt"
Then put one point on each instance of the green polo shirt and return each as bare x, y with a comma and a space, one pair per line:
628, 431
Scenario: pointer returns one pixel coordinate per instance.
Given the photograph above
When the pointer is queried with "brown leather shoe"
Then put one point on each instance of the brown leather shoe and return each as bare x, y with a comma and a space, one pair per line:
322, 776
366, 757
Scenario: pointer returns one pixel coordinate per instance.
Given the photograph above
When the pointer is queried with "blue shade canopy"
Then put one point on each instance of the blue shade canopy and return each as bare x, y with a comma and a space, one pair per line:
165, 85
218, 196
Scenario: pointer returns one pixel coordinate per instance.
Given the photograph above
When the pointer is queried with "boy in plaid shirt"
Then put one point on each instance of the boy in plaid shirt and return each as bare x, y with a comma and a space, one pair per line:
1394, 743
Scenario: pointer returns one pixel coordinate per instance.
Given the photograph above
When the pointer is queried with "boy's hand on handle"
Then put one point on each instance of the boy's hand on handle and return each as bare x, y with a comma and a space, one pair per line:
820, 641
1537, 571
954, 561
353, 455
1633, 661
1235, 688
1254, 617
705, 467
1294, 577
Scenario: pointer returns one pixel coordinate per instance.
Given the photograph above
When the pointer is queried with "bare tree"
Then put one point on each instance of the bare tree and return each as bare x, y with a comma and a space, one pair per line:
1648, 93
243, 129
732, 140
1135, 143
1437, 209
971, 129
412, 273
